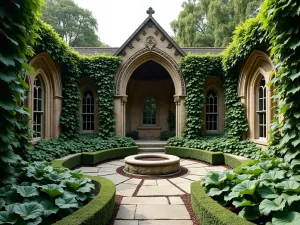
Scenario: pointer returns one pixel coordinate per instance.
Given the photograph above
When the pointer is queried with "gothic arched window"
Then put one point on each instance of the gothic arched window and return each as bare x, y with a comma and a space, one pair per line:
88, 111
149, 111
211, 111
261, 109
38, 109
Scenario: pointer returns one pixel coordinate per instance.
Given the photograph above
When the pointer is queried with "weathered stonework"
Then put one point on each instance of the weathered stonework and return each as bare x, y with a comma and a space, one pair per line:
160, 167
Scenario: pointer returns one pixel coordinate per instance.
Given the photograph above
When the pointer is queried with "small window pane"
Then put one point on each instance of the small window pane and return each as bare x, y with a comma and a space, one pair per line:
38, 107
149, 111
261, 109
211, 111
88, 111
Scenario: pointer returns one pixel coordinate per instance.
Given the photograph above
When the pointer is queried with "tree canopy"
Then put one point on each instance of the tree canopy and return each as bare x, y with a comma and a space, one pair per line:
75, 25
210, 23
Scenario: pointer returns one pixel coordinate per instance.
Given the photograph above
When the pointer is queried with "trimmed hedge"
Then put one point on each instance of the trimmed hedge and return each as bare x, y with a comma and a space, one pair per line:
93, 158
234, 162
214, 158
99, 210
209, 211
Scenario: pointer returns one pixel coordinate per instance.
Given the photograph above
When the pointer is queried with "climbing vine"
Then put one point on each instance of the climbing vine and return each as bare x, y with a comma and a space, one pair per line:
196, 70
72, 66
102, 71
281, 20
18, 32
67, 59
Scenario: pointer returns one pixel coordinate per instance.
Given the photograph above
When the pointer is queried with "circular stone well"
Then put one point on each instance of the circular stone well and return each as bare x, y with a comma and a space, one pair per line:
138, 164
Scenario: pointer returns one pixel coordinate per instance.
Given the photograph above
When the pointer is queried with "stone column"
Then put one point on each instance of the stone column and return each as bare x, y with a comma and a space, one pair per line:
56, 115
180, 114
120, 115
124, 101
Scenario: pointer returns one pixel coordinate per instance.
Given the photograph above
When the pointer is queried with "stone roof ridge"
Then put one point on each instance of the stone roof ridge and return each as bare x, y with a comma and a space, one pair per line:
139, 29
204, 47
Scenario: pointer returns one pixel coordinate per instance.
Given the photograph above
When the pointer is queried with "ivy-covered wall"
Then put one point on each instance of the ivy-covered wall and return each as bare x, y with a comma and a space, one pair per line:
196, 70
18, 33
101, 69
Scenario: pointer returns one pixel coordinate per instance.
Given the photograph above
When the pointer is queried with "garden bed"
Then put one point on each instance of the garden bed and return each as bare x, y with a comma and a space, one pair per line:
101, 208
209, 211
213, 158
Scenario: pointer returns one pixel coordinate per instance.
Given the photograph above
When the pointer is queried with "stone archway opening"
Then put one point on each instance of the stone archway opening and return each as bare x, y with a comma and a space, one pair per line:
150, 106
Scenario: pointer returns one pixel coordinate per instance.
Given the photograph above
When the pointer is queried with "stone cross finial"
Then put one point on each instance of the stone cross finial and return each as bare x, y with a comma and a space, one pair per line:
150, 11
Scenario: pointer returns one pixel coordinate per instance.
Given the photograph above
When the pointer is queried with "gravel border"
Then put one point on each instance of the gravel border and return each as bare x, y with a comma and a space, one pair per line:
118, 201
187, 202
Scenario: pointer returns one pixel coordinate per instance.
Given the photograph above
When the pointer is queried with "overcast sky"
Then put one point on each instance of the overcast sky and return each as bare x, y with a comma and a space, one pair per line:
118, 19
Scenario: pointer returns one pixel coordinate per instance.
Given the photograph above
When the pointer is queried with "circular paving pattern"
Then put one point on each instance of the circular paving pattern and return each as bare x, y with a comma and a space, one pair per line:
153, 200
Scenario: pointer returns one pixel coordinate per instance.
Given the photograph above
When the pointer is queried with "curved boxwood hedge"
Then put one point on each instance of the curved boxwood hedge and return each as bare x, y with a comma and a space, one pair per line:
234, 161
101, 208
93, 158
214, 158
209, 211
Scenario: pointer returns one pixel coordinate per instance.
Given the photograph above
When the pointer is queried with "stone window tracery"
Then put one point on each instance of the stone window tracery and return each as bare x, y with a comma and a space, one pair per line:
149, 111
261, 109
38, 109
88, 111
211, 111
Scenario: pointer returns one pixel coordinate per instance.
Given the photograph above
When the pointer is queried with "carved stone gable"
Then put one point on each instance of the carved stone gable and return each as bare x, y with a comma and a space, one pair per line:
150, 42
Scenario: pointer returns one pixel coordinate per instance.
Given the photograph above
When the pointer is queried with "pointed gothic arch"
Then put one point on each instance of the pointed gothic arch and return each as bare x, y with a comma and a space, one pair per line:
257, 67
49, 77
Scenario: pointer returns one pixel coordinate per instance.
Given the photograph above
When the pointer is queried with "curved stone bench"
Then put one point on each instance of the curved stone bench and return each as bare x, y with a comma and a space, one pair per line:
134, 165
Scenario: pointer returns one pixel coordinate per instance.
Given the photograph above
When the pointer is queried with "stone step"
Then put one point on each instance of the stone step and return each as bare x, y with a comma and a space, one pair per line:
151, 144
151, 149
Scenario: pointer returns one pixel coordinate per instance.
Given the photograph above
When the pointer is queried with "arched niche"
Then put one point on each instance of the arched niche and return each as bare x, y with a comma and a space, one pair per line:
257, 66
49, 75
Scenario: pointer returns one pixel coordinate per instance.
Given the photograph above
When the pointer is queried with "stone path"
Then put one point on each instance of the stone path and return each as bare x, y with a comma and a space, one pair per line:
156, 202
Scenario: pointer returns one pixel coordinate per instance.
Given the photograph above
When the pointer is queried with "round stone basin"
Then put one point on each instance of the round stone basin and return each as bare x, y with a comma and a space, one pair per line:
164, 165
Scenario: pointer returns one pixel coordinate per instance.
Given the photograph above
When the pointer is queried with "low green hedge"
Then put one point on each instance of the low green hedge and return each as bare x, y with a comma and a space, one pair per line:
93, 158
99, 210
214, 158
209, 211
234, 162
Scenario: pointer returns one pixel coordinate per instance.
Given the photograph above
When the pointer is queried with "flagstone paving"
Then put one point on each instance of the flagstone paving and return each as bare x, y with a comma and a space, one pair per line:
152, 201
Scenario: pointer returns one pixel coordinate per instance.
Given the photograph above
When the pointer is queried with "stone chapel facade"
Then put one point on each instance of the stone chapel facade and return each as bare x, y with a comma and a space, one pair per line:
148, 87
